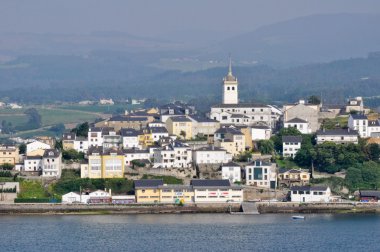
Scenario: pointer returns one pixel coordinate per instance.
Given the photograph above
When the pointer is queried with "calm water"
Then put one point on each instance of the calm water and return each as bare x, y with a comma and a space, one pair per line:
206, 232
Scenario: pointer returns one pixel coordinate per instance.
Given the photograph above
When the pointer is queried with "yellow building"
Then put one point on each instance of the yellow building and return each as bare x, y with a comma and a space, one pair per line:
293, 177
155, 191
9, 154
145, 138
180, 126
103, 164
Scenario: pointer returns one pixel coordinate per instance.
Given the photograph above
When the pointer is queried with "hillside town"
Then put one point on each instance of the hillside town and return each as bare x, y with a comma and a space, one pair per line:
237, 152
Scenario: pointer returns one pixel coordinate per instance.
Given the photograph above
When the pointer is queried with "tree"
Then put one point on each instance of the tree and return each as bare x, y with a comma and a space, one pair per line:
35, 120
22, 148
6, 166
354, 177
244, 157
314, 100
183, 134
58, 129
277, 139
81, 129
265, 146
72, 155
373, 152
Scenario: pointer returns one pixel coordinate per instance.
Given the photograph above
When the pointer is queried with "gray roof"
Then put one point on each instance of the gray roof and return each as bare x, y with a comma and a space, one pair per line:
260, 127
296, 120
180, 119
158, 130
210, 148
230, 164
374, 123
359, 117
291, 139
337, 132
128, 119
129, 132
210, 183
202, 119
95, 149
68, 136
241, 105
228, 130
263, 163
131, 151
283, 170
148, 183
49, 153
309, 188
369, 193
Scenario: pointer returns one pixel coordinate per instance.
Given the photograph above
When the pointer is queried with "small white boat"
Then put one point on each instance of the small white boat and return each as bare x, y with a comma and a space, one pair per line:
298, 217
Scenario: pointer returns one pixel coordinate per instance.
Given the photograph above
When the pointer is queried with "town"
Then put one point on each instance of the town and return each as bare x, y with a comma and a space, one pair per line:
305, 152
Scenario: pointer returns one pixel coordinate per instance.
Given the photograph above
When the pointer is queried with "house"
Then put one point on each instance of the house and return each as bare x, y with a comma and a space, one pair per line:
174, 155
293, 177
135, 154
95, 135
260, 133
145, 138
216, 191
130, 138
338, 136
301, 125
231, 171
158, 133
33, 163
374, 128
369, 196
181, 126
100, 197
176, 193
146, 190
125, 121
291, 145
356, 105
359, 122
71, 197
304, 111
203, 126
306, 194
106, 102
230, 139
52, 163
9, 154
123, 199
174, 110
211, 155
261, 174
111, 140
103, 163
37, 148
71, 142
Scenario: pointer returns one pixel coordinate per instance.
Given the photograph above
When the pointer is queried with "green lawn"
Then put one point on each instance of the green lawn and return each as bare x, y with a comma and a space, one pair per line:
286, 163
100, 108
16, 120
31, 189
166, 179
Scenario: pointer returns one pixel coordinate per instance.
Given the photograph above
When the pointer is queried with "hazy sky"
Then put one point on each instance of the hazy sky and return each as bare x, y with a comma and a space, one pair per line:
154, 17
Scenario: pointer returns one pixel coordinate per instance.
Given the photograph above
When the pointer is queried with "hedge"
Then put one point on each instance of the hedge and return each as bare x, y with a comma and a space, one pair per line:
36, 200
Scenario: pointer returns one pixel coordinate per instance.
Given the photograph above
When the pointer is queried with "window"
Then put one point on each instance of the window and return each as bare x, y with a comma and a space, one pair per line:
228, 88
233, 88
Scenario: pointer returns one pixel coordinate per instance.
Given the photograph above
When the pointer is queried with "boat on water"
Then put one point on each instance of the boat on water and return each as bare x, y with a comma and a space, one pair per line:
298, 217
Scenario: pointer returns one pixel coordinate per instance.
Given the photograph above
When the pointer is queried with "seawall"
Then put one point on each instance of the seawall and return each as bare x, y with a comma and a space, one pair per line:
290, 207
116, 209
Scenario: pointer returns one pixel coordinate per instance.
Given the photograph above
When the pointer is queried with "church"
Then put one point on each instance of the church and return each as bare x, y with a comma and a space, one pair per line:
231, 112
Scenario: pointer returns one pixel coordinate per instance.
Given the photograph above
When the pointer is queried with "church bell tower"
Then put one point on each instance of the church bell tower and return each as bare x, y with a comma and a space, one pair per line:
230, 87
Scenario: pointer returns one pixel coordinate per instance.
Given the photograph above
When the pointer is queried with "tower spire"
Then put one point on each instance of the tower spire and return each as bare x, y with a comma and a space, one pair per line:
230, 67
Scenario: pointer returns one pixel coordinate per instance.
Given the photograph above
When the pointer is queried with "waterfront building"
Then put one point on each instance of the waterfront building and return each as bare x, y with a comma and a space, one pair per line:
369, 196
306, 194
216, 191
293, 177
261, 174
52, 163
146, 190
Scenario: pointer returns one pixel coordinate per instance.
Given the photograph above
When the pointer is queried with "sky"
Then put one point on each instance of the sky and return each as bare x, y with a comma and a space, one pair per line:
157, 17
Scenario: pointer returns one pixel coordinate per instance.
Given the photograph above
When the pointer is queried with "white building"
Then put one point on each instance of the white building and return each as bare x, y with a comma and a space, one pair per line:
261, 174
158, 133
130, 138
261, 133
365, 128
95, 135
81, 144
211, 155
310, 194
176, 154
106, 102
291, 145
302, 125
233, 112
135, 154
36, 145
231, 171
216, 191
33, 163
202, 126
73, 197
52, 163
338, 136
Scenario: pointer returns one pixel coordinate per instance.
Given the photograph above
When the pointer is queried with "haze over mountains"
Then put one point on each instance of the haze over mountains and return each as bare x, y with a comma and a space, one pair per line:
278, 57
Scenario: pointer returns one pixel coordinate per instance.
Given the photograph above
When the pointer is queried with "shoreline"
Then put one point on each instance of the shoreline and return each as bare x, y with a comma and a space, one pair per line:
234, 208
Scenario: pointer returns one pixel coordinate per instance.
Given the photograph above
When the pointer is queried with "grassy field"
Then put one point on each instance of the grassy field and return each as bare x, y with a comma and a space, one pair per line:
101, 108
56, 116
16, 120
31, 189
286, 163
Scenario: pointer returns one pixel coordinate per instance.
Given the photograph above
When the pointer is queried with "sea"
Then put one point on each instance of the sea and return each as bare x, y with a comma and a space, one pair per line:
190, 232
